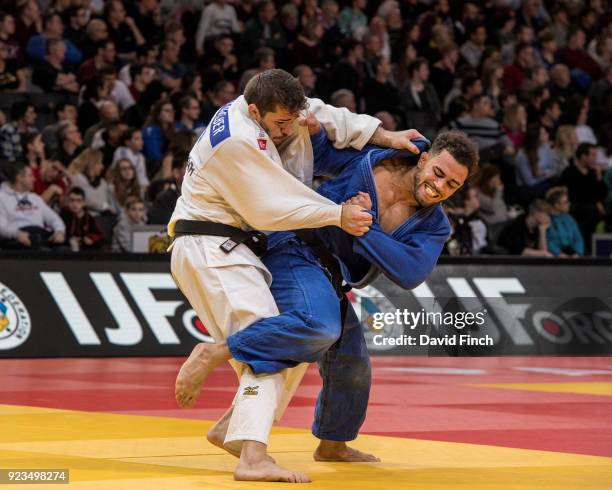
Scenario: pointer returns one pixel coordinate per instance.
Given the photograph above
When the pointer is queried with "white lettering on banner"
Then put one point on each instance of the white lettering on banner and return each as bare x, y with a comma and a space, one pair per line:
154, 311
70, 308
494, 287
129, 330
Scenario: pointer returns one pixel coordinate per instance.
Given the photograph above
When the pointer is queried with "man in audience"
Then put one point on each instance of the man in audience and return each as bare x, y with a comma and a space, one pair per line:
26, 222
563, 235
527, 234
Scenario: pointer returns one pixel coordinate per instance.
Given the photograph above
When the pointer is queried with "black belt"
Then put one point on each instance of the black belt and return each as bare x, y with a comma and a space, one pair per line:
331, 264
255, 240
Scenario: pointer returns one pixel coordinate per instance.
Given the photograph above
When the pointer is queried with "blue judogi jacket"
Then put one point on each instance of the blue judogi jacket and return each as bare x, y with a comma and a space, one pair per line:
408, 254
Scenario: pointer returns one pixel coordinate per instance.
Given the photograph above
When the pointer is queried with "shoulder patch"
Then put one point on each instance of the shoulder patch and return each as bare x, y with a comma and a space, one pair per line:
219, 126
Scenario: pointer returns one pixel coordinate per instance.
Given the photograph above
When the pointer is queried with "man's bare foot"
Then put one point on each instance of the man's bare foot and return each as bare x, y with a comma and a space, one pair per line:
266, 470
216, 435
255, 466
200, 363
340, 452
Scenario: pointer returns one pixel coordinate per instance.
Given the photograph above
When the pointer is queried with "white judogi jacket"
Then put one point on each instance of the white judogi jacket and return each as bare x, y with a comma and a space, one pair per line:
235, 173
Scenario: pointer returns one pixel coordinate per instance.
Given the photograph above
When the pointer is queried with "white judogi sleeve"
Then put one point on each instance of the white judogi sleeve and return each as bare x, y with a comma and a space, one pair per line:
344, 127
263, 193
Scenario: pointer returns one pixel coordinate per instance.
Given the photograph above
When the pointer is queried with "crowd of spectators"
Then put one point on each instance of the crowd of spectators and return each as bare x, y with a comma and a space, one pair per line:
101, 101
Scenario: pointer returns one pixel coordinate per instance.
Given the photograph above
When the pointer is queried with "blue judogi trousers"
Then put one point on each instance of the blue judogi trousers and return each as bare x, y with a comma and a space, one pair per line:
309, 329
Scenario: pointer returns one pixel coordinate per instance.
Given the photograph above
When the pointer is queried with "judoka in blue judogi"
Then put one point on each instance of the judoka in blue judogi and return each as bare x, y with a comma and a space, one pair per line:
314, 325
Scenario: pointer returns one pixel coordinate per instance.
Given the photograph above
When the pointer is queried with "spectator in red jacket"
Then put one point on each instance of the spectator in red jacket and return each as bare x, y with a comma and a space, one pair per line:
515, 74
576, 57
82, 232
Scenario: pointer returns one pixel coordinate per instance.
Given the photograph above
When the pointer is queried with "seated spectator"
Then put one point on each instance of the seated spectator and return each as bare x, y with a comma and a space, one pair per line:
26, 222
263, 59
23, 117
469, 235
587, 190
141, 76
492, 74
51, 74
123, 181
262, 30
576, 57
516, 73
307, 79
457, 101
146, 55
95, 32
218, 18
105, 54
108, 114
158, 133
561, 83
131, 149
12, 78
526, 234
344, 98
134, 215
490, 190
223, 57
7, 36
122, 30
388, 120
352, 20
77, 18
82, 232
70, 143
50, 182
64, 112
548, 48
53, 28
420, 102
28, 23
515, 124
169, 70
98, 195
576, 113
379, 93
33, 149
442, 75
189, 116
96, 91
307, 48
564, 148
223, 93
166, 194
535, 163
107, 140
471, 51
350, 72
563, 235
483, 129
549, 116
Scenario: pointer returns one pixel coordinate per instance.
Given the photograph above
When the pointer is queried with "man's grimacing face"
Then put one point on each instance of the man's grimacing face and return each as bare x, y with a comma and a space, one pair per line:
279, 124
437, 178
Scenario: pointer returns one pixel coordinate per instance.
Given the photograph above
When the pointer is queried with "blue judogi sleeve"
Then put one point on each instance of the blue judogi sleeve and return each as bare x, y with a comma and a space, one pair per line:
407, 262
329, 161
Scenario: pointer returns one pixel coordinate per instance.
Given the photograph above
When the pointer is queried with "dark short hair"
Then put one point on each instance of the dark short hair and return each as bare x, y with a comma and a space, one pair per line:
14, 170
416, 65
19, 108
273, 88
460, 147
103, 43
583, 149
77, 190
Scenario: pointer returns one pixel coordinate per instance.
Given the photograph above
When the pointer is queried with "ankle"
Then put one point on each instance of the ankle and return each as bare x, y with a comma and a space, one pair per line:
331, 447
253, 452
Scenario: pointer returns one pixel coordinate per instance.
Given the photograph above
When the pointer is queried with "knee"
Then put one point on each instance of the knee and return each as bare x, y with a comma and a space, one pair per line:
326, 331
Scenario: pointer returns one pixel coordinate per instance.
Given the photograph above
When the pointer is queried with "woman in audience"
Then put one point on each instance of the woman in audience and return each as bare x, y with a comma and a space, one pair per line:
535, 166
564, 148
123, 181
158, 133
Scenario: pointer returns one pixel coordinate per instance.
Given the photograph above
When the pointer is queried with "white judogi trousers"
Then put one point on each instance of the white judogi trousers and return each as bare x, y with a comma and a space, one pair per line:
229, 292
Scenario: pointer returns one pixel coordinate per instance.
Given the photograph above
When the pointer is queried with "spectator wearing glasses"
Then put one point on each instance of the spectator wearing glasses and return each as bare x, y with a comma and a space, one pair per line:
82, 232
189, 116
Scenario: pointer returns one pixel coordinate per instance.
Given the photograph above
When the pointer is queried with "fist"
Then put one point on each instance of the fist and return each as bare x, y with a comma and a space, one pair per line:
361, 199
355, 220
311, 122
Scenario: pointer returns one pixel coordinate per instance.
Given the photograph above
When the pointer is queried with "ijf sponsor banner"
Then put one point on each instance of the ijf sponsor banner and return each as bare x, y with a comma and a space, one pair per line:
103, 307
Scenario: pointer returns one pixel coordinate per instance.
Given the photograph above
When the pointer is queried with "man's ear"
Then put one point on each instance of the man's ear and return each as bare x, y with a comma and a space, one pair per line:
422, 159
254, 112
